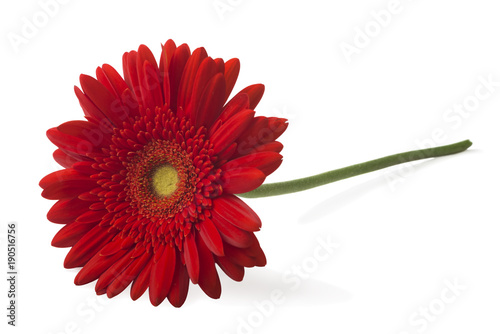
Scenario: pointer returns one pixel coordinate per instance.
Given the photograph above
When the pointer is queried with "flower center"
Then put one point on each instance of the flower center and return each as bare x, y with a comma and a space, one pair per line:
161, 179
164, 180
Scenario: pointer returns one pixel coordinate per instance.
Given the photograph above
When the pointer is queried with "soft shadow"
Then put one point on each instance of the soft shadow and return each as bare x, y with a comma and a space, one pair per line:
340, 200
259, 286
348, 196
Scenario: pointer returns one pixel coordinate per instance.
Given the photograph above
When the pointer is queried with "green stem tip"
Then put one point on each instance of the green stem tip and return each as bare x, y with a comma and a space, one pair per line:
287, 187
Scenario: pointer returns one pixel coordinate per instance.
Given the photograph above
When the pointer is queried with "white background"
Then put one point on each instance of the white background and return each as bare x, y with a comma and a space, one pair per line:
404, 235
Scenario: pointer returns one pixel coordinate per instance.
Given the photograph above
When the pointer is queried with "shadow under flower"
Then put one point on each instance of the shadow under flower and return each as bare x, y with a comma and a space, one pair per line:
396, 174
260, 285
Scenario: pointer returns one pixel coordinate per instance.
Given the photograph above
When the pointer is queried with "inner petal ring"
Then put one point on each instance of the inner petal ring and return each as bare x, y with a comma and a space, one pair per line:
161, 179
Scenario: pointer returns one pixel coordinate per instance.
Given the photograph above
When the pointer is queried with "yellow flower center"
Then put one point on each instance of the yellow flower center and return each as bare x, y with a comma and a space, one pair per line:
164, 180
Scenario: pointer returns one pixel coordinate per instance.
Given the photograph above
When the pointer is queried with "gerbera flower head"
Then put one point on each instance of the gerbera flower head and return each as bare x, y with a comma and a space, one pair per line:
147, 193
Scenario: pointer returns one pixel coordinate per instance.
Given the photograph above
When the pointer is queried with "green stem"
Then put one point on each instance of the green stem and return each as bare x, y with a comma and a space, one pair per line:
281, 188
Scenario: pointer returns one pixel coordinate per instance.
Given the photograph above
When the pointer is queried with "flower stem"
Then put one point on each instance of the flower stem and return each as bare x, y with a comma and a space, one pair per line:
287, 187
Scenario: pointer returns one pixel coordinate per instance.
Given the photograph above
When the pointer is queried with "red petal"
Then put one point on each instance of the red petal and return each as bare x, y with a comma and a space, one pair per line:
101, 77
209, 279
103, 99
70, 234
64, 159
235, 211
230, 233
277, 126
274, 146
67, 210
89, 108
262, 130
256, 253
191, 258
88, 246
206, 71
62, 175
112, 272
119, 85
188, 76
257, 133
149, 78
72, 144
112, 247
68, 189
138, 251
238, 103
232, 270
130, 104
167, 51
129, 61
77, 128
166, 55
231, 71
65, 183
231, 130
227, 153
267, 162
255, 93
144, 55
127, 276
210, 104
141, 283
162, 274
175, 70
96, 135
211, 237
219, 65
242, 180
84, 167
91, 216
96, 266
152, 95
180, 285
239, 256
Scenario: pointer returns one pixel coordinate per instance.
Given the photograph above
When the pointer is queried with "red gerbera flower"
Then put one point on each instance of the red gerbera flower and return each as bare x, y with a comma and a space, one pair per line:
147, 189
